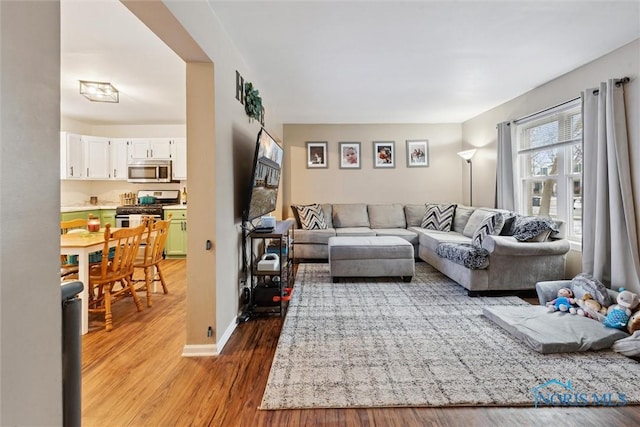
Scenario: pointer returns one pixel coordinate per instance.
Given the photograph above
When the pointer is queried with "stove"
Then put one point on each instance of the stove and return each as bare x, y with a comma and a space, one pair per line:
129, 215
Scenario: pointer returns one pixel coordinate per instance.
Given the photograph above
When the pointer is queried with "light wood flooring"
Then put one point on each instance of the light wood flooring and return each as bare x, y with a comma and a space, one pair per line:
135, 376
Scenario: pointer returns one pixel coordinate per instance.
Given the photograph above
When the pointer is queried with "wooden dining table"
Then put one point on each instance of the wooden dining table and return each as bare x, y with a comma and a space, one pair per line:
83, 244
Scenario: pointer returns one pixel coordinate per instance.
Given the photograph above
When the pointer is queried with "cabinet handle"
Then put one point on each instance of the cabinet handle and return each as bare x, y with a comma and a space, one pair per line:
87, 172
151, 153
114, 173
71, 170
147, 152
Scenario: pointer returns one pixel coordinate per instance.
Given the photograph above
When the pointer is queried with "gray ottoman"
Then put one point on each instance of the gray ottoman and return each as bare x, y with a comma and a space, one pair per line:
371, 256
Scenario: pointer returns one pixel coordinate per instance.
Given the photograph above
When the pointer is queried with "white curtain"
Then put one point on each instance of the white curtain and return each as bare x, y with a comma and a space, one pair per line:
609, 239
505, 176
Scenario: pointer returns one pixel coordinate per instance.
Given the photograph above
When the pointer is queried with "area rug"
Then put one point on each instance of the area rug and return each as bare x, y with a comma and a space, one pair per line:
385, 343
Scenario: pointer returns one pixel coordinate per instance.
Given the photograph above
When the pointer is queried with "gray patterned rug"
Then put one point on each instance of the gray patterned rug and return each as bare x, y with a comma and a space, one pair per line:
382, 343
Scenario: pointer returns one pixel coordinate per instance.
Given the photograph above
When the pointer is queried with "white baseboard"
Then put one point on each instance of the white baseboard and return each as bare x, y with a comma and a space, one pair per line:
209, 350
227, 334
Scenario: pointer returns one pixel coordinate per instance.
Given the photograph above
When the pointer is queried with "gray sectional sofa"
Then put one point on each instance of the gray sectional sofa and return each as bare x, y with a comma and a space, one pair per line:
497, 263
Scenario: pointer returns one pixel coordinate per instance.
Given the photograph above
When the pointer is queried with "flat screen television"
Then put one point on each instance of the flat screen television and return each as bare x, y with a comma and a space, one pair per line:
265, 177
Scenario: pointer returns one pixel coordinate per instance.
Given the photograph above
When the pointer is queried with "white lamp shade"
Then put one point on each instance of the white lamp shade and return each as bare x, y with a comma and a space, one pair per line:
467, 154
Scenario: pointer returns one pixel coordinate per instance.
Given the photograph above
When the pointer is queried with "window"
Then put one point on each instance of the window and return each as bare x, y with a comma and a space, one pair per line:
549, 166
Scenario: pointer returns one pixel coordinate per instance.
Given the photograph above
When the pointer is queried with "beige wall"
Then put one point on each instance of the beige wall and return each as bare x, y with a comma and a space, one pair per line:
440, 182
235, 138
480, 132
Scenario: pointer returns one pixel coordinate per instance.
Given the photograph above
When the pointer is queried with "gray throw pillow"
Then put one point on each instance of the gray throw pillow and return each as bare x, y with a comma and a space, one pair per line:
460, 219
474, 221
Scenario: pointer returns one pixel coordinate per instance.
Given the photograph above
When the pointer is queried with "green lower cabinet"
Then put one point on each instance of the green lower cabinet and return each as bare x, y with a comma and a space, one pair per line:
67, 216
176, 246
108, 216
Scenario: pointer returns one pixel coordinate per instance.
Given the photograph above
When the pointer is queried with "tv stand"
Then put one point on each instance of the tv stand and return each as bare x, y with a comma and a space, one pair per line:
263, 230
270, 289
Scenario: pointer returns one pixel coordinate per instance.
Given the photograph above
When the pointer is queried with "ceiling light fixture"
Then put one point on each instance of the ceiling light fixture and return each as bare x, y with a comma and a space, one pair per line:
99, 91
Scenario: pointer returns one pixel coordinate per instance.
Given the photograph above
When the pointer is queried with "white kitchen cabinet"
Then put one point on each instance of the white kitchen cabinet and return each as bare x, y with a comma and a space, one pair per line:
97, 157
179, 157
150, 148
118, 148
71, 156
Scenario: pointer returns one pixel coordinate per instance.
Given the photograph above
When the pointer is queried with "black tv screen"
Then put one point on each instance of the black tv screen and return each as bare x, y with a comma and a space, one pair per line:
265, 177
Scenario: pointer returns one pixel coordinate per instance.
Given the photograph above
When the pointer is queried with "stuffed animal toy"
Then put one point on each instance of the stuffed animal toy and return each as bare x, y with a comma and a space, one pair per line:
618, 314
634, 322
564, 301
588, 307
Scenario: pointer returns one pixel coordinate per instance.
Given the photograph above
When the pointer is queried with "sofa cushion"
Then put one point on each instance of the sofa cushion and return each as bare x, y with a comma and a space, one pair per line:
552, 332
475, 220
439, 217
432, 238
386, 216
461, 217
311, 217
469, 256
350, 215
314, 236
408, 235
414, 214
355, 231
534, 228
490, 225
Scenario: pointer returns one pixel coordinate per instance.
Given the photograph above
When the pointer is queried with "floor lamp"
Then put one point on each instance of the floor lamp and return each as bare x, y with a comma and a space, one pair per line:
467, 155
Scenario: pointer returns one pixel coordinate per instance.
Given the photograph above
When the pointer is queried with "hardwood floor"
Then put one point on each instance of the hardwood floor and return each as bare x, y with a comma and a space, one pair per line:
136, 376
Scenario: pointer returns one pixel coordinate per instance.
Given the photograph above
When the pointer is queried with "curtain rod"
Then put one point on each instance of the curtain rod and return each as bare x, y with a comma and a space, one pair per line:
545, 110
618, 82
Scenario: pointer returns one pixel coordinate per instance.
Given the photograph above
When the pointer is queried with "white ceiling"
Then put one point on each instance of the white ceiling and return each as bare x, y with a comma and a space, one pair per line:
101, 40
348, 62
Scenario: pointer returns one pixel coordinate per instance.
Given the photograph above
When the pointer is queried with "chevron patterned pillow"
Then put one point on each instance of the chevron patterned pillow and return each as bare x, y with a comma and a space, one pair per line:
311, 217
491, 224
438, 217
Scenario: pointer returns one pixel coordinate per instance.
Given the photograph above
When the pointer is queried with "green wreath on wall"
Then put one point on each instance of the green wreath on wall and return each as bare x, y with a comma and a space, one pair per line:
252, 101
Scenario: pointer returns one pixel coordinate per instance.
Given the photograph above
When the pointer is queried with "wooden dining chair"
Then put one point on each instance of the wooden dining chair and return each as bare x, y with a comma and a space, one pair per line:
69, 267
151, 254
112, 280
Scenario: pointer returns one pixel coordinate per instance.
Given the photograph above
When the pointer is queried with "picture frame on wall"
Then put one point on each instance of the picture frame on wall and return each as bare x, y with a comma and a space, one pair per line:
317, 155
350, 155
417, 153
384, 154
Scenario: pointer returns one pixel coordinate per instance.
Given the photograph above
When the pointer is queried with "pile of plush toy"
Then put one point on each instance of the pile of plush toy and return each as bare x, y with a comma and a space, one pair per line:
624, 315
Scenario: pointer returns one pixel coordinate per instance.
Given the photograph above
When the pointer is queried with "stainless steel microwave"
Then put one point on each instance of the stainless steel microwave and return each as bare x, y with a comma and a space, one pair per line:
149, 170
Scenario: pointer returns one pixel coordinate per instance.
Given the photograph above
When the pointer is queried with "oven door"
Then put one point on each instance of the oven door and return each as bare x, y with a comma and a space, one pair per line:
125, 220
122, 221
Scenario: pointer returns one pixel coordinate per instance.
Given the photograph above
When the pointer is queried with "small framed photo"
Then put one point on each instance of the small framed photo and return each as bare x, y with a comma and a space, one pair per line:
317, 155
384, 154
349, 155
417, 153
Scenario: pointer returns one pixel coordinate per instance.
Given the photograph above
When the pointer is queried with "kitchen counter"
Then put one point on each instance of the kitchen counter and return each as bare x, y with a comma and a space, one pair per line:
65, 209
175, 207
